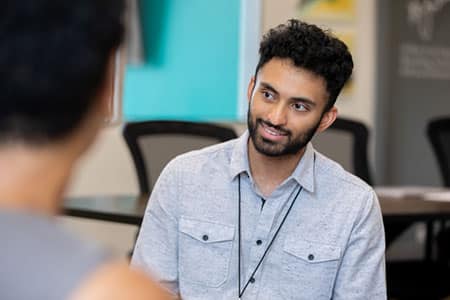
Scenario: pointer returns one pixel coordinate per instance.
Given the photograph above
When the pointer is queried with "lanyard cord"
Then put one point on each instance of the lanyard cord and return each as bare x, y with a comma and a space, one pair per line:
268, 247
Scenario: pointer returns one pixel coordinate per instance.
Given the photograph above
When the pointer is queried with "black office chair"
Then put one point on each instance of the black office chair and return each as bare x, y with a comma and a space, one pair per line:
345, 141
438, 131
427, 279
439, 135
154, 143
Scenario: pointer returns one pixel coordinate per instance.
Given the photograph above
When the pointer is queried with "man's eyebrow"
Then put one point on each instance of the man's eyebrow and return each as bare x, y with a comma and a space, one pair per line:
269, 87
304, 100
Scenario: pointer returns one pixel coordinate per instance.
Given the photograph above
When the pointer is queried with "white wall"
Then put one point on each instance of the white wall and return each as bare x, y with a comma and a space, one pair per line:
107, 168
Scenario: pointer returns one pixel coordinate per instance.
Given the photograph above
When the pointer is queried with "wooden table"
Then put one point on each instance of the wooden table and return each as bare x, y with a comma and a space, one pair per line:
401, 212
413, 208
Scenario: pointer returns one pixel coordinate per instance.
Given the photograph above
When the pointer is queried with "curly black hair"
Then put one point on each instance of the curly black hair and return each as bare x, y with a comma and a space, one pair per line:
311, 48
53, 59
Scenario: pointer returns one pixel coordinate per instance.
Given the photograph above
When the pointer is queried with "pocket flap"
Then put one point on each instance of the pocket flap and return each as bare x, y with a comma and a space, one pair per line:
205, 231
312, 252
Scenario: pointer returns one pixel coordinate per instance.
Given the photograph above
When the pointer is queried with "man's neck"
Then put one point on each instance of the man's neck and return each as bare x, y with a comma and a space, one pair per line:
32, 180
269, 172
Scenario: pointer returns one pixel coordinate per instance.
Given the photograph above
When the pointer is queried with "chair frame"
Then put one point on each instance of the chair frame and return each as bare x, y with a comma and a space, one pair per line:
360, 141
132, 131
433, 129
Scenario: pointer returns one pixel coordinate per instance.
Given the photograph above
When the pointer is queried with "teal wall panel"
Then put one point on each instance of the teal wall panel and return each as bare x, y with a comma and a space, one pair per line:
191, 62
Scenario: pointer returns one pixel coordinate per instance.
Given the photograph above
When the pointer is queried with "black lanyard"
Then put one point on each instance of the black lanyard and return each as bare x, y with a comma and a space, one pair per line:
251, 279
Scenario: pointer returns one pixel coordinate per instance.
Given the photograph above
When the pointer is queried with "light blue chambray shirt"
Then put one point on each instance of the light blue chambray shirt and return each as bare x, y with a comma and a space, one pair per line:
331, 245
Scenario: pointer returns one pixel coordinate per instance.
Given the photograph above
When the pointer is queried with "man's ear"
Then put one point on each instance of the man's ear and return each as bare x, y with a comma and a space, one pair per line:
328, 118
250, 88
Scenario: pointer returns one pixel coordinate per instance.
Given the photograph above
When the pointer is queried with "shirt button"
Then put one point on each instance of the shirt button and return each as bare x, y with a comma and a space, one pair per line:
310, 257
252, 280
205, 237
258, 242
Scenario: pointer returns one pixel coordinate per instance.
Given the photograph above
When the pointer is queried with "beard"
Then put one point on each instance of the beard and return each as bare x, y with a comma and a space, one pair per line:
292, 146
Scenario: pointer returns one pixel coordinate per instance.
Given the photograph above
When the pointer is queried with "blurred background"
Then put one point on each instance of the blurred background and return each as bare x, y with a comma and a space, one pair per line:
192, 61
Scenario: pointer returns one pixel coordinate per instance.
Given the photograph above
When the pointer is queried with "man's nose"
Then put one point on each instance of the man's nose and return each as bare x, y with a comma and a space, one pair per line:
278, 115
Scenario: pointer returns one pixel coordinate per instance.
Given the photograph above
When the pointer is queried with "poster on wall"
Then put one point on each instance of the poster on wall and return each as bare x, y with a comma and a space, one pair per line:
348, 37
424, 48
340, 17
327, 10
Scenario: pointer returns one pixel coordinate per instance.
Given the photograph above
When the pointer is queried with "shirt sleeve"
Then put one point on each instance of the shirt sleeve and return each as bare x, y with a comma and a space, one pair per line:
362, 272
156, 247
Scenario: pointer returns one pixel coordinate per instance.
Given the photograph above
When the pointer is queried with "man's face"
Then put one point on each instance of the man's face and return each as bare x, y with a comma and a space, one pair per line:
287, 104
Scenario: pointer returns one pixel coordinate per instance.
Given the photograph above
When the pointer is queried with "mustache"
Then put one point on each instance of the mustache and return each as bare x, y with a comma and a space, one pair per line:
276, 127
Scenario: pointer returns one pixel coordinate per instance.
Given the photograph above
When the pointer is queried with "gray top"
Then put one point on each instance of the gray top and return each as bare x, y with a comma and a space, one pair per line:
39, 260
331, 245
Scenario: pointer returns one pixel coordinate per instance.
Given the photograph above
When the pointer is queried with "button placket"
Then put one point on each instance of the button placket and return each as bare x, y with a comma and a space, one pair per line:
263, 230
265, 221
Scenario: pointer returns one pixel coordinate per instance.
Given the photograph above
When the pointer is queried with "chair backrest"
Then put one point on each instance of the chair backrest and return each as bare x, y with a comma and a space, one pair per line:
439, 135
346, 142
154, 143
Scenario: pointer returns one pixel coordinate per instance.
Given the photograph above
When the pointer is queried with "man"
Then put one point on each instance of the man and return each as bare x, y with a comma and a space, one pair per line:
266, 216
55, 78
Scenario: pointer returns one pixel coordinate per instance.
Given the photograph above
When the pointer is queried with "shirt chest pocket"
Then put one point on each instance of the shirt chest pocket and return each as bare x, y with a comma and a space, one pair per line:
311, 265
204, 251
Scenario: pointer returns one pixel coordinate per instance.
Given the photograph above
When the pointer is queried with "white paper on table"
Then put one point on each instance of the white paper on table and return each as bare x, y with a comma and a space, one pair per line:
443, 196
404, 191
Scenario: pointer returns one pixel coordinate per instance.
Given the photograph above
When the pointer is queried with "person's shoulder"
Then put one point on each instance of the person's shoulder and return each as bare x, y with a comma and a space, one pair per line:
71, 266
65, 258
29, 232
114, 281
338, 186
335, 176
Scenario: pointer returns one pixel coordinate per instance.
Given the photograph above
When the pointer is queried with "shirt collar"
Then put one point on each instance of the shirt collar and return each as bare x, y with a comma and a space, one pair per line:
239, 157
303, 173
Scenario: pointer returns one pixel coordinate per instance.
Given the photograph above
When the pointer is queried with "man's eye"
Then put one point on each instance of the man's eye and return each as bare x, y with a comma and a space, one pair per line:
268, 95
300, 107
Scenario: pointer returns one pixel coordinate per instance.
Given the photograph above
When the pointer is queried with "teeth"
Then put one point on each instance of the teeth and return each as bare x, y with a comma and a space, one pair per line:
272, 132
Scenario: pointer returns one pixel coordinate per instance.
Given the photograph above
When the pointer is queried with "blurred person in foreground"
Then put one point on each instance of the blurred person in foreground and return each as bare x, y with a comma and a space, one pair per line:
55, 81
266, 216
